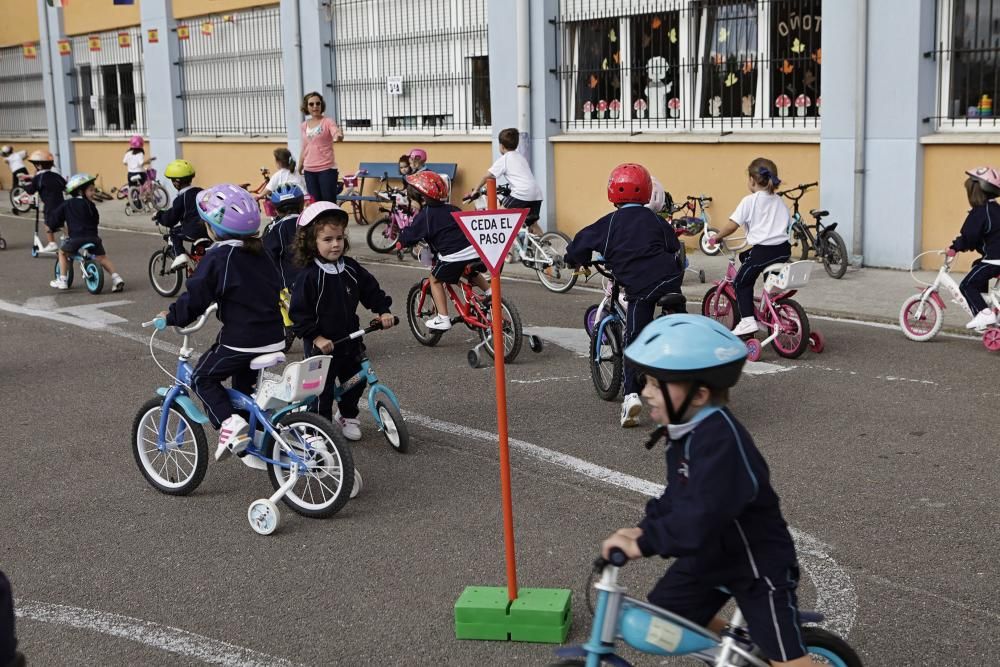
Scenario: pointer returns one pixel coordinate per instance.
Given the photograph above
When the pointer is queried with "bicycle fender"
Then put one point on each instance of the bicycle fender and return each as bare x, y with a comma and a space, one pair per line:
372, 395
937, 298
192, 411
828, 228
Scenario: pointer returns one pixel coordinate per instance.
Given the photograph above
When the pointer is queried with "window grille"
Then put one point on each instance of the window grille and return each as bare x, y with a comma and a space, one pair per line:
639, 65
231, 74
401, 70
968, 62
22, 102
108, 88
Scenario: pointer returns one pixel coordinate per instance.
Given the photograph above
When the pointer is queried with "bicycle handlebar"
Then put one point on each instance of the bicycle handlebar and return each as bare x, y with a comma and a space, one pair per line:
194, 326
502, 191
804, 187
699, 198
376, 325
616, 557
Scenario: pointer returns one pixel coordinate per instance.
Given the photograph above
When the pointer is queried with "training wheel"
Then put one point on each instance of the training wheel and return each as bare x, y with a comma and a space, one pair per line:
590, 319
535, 343
753, 349
358, 484
701, 275
991, 339
3, 244
816, 342
473, 358
263, 516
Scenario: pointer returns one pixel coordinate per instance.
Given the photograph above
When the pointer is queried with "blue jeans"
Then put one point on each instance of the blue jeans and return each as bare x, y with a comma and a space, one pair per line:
322, 185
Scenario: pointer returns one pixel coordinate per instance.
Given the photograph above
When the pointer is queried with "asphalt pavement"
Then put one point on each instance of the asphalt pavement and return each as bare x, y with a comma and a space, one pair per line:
881, 449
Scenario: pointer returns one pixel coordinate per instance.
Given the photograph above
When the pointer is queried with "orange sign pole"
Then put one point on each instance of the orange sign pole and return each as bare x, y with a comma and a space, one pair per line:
501, 388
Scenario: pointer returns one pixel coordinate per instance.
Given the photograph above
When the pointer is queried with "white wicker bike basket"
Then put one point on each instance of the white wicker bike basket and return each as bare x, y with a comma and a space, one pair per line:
791, 276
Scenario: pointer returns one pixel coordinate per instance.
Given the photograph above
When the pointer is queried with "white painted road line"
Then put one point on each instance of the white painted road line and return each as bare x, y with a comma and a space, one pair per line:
162, 637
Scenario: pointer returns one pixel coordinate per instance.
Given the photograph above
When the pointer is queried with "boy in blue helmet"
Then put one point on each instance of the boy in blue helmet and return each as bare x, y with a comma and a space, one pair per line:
279, 237
719, 516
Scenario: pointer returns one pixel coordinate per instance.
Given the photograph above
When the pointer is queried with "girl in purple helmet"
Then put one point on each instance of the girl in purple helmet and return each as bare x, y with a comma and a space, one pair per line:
243, 280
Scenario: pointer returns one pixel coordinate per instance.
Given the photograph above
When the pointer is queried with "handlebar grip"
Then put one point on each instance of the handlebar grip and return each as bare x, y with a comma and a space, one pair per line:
158, 323
617, 557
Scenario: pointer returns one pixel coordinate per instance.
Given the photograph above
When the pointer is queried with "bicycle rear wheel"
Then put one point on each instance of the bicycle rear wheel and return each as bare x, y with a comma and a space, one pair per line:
159, 197
794, 337
417, 311
835, 255
606, 361
720, 304
554, 274
513, 334
164, 281
380, 237
325, 486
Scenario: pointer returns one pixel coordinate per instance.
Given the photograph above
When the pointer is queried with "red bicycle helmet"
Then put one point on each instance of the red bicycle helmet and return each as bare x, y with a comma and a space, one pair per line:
988, 177
630, 183
429, 184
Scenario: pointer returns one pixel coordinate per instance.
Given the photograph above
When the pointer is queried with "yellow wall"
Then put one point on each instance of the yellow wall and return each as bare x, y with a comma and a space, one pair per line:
945, 202
717, 170
5, 175
187, 8
221, 162
104, 159
81, 17
20, 22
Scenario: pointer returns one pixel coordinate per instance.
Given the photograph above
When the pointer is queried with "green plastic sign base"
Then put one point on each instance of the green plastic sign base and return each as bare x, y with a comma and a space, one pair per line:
537, 615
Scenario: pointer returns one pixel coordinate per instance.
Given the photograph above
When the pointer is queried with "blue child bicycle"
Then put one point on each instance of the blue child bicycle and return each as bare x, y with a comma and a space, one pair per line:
93, 274
656, 631
307, 459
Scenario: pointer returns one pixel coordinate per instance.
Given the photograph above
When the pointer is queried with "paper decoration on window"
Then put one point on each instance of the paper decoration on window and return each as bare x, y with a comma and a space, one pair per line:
602, 108
124, 40
802, 104
798, 46
731, 80
94, 43
207, 28
656, 23
153, 36
612, 36
614, 108
783, 103
723, 35
229, 18
588, 109
640, 108
715, 107
787, 67
183, 32
672, 35
657, 89
592, 81
746, 104
65, 48
818, 56
674, 104
29, 50
604, 64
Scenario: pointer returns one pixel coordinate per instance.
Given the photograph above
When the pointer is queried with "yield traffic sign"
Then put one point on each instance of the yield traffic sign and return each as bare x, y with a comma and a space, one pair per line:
492, 233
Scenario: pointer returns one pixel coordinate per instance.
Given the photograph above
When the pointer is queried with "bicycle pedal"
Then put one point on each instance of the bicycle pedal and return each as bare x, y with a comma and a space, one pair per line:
455, 319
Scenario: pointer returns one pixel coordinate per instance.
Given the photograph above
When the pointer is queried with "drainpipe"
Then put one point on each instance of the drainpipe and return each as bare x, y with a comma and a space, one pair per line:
523, 77
860, 114
54, 124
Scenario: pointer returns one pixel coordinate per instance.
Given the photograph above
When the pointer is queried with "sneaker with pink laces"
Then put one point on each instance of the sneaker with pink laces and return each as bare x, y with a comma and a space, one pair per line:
350, 427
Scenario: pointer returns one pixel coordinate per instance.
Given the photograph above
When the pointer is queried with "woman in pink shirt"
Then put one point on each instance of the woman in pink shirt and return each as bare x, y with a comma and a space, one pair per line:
316, 161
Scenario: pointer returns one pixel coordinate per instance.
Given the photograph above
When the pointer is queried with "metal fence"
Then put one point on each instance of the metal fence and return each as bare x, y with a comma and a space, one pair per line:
231, 74
641, 65
405, 67
22, 103
108, 87
967, 53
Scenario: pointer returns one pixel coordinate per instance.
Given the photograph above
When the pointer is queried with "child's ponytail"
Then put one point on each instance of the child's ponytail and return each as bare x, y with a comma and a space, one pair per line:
283, 157
764, 173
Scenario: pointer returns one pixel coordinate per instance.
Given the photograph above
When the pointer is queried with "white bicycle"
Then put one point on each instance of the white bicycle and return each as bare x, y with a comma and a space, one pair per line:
922, 314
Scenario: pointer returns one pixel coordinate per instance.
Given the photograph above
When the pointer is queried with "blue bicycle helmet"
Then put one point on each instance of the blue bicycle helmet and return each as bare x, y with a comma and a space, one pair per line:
287, 194
688, 348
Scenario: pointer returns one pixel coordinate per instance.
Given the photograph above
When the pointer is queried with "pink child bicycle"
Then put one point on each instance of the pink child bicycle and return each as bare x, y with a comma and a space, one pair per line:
782, 319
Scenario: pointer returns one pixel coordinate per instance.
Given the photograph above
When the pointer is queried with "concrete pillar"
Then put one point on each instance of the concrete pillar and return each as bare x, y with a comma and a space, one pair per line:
291, 62
164, 109
60, 115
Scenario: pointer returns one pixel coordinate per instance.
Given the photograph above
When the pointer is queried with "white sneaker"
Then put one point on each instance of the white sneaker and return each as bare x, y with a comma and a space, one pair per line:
746, 326
179, 261
252, 462
59, 283
631, 408
438, 323
985, 318
350, 427
232, 437
51, 247
117, 283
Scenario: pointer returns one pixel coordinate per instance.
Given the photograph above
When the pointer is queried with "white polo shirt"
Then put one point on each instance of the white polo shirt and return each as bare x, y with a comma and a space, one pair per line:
515, 169
765, 218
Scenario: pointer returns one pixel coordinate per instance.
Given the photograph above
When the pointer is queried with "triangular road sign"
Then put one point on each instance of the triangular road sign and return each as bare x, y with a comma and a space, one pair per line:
492, 233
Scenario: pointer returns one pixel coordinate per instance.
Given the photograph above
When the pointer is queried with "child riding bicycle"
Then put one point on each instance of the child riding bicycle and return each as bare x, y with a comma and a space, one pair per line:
640, 249
765, 218
980, 232
79, 215
324, 306
182, 217
512, 167
719, 515
279, 237
237, 275
49, 185
135, 162
452, 249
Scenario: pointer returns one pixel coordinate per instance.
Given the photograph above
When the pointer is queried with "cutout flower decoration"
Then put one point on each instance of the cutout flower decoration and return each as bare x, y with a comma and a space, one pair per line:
798, 46
783, 103
802, 104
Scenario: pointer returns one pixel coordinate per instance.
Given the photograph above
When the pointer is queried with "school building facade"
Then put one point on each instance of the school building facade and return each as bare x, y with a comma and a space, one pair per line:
887, 119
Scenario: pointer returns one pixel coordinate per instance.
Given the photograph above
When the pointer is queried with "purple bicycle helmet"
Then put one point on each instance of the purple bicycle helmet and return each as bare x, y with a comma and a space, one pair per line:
229, 210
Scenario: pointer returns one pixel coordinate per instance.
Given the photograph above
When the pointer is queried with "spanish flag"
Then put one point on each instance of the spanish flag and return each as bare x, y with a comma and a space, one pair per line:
30, 50
183, 32
94, 42
207, 28
124, 40
65, 48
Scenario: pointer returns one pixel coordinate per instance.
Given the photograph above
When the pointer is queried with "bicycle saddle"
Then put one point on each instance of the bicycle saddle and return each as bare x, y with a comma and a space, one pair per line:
267, 360
818, 213
675, 303
475, 267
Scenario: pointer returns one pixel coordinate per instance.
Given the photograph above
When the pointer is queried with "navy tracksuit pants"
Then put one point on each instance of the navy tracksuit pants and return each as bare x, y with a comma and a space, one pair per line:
977, 282
754, 261
216, 365
640, 312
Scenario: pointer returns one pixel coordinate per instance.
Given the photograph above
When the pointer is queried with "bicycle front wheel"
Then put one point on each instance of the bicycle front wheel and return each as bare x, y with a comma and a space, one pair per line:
703, 242
835, 255
606, 361
93, 276
420, 305
920, 322
513, 334
720, 304
179, 468
324, 487
793, 338
20, 200
799, 241
380, 236
552, 271
164, 281
393, 425
827, 648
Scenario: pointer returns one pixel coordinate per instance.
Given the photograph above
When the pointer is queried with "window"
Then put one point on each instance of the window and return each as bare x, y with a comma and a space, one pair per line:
689, 64
108, 83
968, 63
405, 71
231, 74
22, 104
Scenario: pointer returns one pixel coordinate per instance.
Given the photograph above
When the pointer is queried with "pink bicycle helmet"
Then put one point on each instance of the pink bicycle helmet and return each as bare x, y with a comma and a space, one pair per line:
418, 153
988, 177
229, 210
135, 141
314, 211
